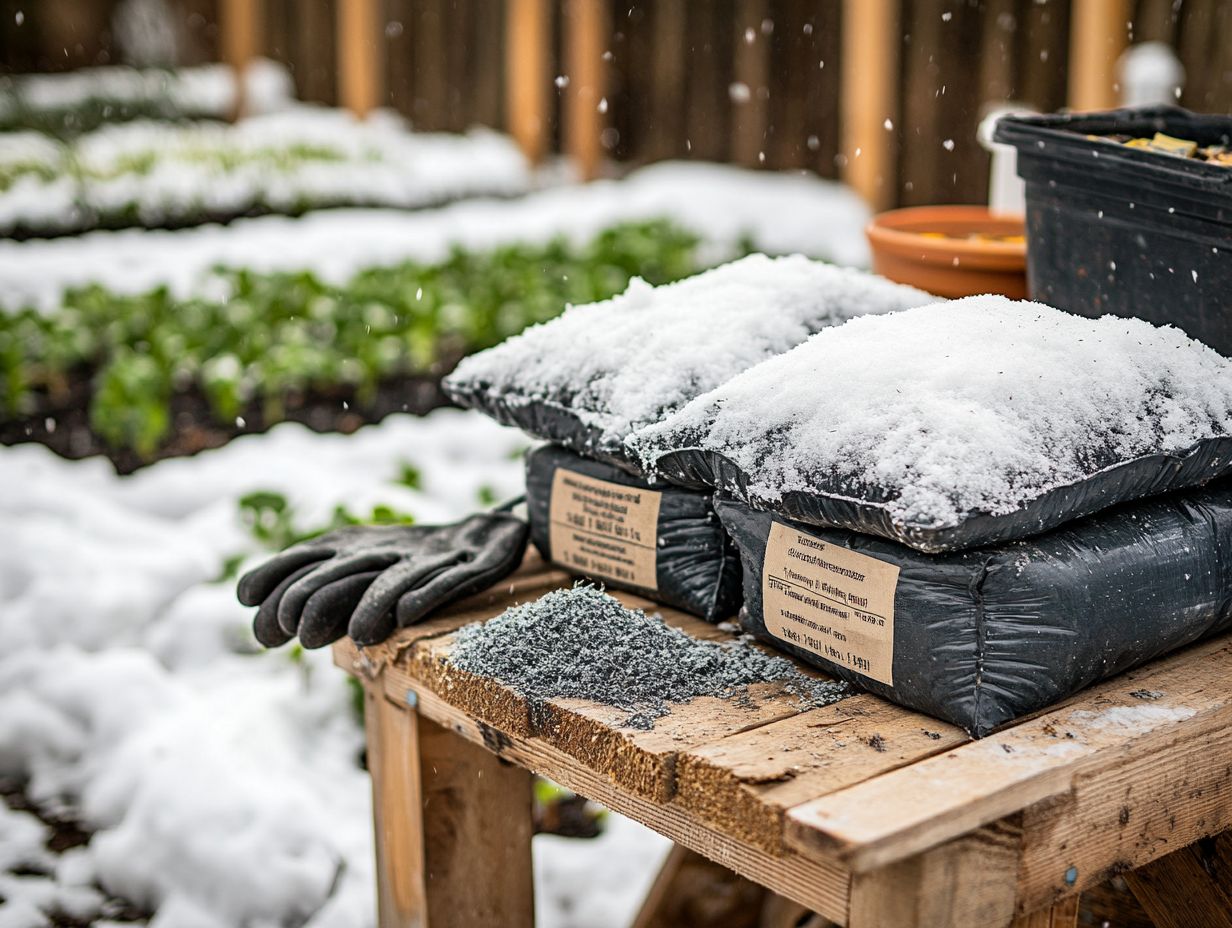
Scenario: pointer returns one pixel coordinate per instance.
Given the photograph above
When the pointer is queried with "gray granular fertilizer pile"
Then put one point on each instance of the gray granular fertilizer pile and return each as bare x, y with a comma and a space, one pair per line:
584, 644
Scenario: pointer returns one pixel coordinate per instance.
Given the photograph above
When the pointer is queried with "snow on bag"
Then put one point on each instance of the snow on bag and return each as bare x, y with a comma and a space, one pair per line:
588, 378
660, 541
980, 638
958, 424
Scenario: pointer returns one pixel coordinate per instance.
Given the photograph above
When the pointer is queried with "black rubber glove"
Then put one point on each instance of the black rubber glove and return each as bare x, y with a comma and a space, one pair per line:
365, 581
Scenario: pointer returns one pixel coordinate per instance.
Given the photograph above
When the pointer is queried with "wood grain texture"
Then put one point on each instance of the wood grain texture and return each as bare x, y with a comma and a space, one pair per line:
818, 885
870, 62
964, 883
693, 892
595, 734
1177, 892
745, 783
585, 25
477, 830
528, 80
1123, 723
1062, 915
393, 761
361, 65
1098, 35
437, 798
1128, 811
750, 105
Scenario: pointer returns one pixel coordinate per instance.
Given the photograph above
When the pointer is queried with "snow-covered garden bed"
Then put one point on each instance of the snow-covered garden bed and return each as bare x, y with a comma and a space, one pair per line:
142, 323
73, 102
155, 174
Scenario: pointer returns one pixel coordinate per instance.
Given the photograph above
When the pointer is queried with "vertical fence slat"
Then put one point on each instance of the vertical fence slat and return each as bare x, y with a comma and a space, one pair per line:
1098, 35
751, 56
583, 48
1041, 71
666, 94
240, 22
360, 60
870, 77
528, 83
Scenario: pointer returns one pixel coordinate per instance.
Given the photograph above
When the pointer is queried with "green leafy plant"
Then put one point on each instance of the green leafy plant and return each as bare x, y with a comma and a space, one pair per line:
282, 334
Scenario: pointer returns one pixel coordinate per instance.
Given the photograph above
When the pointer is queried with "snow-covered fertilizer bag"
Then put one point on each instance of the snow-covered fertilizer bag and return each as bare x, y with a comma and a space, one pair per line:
606, 525
958, 424
982, 637
588, 378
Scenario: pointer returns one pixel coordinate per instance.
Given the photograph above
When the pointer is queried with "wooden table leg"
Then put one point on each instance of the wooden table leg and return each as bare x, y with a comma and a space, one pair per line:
453, 825
1188, 888
970, 881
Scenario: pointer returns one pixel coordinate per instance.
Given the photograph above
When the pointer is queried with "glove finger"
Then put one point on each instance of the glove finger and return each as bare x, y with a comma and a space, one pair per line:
265, 624
499, 557
503, 540
328, 610
292, 605
256, 586
373, 619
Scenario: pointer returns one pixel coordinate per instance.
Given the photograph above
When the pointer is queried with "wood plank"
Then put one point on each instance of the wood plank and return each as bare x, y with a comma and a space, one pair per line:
745, 783
870, 56
528, 75
1120, 815
393, 762
965, 883
438, 800
1177, 892
240, 21
595, 734
750, 106
315, 63
477, 831
1098, 35
360, 59
1062, 915
819, 885
584, 41
914, 808
665, 93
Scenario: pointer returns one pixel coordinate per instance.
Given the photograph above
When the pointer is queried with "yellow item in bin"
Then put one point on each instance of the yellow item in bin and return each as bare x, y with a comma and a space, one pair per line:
1173, 146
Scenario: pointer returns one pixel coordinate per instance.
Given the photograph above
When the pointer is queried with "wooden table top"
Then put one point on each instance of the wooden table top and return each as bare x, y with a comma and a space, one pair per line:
814, 803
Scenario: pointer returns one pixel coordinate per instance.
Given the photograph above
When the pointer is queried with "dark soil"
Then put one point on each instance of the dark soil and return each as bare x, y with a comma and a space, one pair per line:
62, 423
66, 833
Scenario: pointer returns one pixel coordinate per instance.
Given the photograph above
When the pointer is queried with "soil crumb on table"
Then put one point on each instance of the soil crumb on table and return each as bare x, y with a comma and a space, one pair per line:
582, 643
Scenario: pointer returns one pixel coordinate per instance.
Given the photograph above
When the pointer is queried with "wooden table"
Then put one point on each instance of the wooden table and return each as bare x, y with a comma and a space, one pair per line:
867, 814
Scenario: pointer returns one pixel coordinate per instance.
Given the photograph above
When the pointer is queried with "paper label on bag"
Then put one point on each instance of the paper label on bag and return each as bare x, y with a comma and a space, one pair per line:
830, 600
604, 530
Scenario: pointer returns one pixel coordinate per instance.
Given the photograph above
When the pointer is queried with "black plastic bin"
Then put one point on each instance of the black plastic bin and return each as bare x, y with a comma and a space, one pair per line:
1114, 229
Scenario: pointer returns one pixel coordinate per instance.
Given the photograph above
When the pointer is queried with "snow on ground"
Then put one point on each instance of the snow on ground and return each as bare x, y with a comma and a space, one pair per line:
203, 90
151, 173
221, 780
781, 213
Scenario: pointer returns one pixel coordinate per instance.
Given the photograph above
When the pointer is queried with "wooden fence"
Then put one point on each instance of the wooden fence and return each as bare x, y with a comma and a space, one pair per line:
884, 93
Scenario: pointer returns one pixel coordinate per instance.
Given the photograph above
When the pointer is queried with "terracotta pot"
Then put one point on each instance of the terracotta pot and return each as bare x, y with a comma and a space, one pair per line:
929, 247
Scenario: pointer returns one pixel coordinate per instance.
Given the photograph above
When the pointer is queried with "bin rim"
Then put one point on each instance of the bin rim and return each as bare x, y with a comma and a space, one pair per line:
1066, 135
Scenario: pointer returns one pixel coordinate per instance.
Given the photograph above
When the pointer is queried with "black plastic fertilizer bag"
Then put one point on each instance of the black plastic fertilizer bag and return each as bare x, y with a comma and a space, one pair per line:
958, 425
587, 379
659, 541
982, 637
